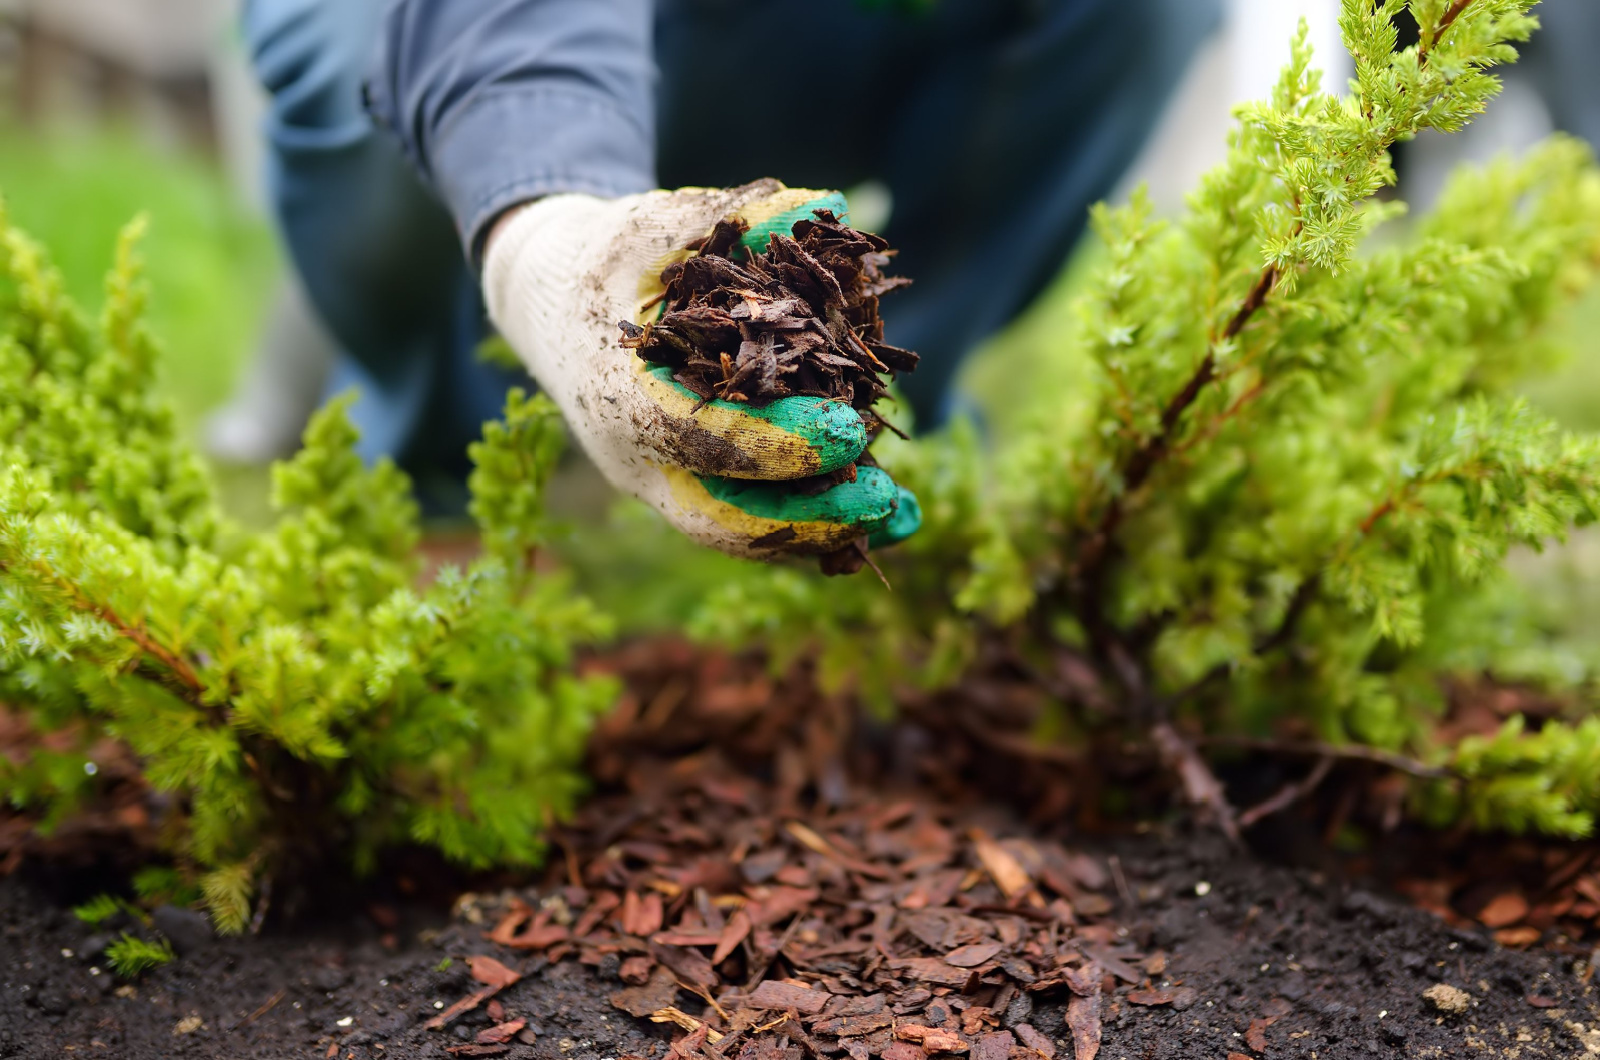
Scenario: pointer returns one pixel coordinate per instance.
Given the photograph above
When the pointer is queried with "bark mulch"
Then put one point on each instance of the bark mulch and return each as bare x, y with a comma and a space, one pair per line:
763, 876
797, 318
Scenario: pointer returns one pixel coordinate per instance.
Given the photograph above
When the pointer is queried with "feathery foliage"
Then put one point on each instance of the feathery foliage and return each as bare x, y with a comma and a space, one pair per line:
1283, 509
132, 956
296, 691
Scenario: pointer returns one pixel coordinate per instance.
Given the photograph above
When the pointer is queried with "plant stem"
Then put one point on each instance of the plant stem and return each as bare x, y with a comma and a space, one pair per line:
175, 664
1320, 749
1289, 794
1450, 16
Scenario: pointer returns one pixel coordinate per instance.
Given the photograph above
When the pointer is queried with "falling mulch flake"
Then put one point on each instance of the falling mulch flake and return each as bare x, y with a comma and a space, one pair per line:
765, 925
797, 319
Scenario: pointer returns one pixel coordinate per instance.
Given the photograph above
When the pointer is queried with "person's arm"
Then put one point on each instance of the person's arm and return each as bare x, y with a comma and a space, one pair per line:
532, 119
498, 102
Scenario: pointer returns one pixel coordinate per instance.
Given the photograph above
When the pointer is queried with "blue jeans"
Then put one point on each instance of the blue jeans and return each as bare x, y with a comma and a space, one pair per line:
994, 123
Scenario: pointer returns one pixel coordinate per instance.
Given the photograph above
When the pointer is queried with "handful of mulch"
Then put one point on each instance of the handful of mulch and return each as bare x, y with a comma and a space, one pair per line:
798, 319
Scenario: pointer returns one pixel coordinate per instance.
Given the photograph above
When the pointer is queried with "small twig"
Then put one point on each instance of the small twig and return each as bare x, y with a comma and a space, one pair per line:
1445, 23
1289, 794
1342, 752
266, 1007
1120, 878
1200, 785
263, 904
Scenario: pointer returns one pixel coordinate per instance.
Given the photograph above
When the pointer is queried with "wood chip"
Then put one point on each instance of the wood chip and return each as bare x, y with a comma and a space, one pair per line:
994, 1046
1150, 997
853, 1026
1083, 1019
973, 955
500, 1032
688, 965
686, 1021
660, 992
734, 932
1034, 1039
491, 972
772, 994
507, 927
1504, 910
466, 1004
1256, 1035
539, 938
942, 1041
1006, 871
798, 317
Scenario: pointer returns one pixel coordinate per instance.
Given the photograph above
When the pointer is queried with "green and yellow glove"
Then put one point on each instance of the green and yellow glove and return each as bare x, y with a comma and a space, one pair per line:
559, 273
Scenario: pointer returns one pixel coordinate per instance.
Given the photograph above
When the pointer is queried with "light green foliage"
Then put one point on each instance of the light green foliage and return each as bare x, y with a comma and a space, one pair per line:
98, 910
295, 691
1285, 502
132, 956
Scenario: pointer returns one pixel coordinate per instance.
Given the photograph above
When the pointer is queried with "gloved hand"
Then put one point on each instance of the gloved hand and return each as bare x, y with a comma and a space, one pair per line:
561, 272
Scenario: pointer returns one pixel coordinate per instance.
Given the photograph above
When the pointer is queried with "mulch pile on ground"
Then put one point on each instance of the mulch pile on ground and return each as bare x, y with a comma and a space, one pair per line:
797, 319
835, 924
772, 876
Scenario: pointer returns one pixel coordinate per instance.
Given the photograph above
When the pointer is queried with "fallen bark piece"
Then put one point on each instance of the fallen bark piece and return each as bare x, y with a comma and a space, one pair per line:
1034, 1039
472, 1049
904, 1051
772, 994
938, 1040
689, 965
1083, 1019
671, 1014
491, 972
1150, 997
658, 993
466, 1004
1007, 872
500, 1033
1256, 1036
973, 955
538, 938
798, 318
506, 930
933, 970
994, 1046
735, 931
1504, 910
853, 1026
635, 970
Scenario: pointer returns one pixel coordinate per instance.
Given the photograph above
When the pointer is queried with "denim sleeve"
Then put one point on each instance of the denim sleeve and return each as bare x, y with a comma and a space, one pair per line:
500, 101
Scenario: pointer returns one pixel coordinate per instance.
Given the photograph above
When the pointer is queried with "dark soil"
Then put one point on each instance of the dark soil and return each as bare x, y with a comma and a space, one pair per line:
1337, 957
723, 793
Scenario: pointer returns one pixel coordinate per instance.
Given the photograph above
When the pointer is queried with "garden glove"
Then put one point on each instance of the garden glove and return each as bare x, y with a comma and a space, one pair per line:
559, 275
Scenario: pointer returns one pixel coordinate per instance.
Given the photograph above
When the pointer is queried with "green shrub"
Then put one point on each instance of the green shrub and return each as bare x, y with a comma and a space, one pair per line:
1282, 507
294, 692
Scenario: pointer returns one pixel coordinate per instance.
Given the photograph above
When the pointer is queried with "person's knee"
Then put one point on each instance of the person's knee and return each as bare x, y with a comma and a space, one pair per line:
310, 56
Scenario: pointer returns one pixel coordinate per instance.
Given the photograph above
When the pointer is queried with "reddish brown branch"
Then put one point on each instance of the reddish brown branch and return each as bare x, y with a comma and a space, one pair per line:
1149, 454
1450, 16
1289, 794
1345, 752
174, 663
1200, 785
